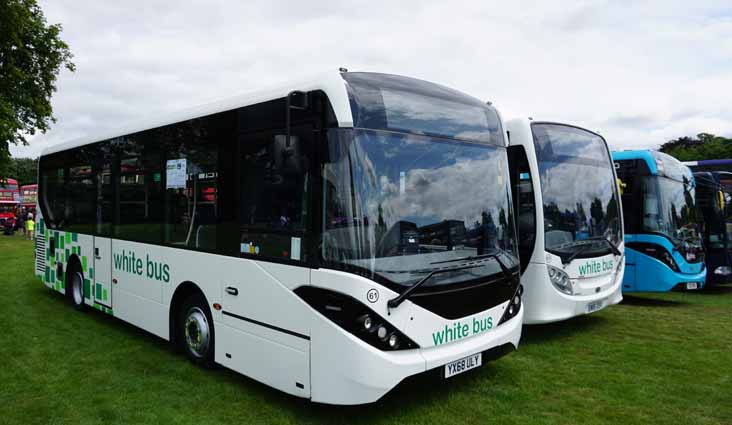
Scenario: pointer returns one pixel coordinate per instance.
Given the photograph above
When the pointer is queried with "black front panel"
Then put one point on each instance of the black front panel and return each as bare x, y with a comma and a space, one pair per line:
467, 300
630, 173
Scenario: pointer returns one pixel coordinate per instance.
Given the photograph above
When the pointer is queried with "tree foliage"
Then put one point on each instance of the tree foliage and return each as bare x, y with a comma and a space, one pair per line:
25, 170
31, 56
704, 146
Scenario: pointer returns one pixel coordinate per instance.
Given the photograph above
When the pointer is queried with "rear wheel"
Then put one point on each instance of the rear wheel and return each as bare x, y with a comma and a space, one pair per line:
195, 331
75, 289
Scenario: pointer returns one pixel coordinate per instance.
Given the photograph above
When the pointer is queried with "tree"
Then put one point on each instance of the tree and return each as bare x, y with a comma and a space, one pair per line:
31, 56
25, 170
704, 146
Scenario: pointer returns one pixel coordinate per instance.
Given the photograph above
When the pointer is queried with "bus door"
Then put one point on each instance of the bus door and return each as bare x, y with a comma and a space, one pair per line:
102, 290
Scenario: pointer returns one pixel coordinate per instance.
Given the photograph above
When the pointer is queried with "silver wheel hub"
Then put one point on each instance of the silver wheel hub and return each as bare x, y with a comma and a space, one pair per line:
196, 332
77, 288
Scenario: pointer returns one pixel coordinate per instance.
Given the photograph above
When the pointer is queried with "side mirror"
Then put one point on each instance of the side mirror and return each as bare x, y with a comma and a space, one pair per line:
298, 100
295, 100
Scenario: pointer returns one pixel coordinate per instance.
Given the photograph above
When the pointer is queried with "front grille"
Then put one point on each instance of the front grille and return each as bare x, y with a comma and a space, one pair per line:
41, 253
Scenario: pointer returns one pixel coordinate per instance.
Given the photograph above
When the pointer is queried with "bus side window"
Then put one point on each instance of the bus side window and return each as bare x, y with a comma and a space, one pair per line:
53, 198
275, 178
523, 201
139, 206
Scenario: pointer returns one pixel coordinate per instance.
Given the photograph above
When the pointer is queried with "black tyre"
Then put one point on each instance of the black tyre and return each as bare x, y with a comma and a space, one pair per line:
75, 287
195, 331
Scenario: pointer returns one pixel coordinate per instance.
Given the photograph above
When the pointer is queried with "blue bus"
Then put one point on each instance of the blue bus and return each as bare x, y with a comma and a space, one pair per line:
662, 238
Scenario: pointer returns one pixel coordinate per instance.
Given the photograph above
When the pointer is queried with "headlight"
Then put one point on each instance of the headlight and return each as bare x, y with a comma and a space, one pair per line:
560, 280
514, 305
656, 251
723, 271
356, 318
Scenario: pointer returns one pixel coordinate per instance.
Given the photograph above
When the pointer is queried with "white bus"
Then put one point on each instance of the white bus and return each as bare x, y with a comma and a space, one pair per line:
329, 238
569, 220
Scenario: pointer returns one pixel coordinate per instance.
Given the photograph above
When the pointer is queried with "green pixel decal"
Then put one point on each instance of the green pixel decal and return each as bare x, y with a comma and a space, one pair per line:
66, 245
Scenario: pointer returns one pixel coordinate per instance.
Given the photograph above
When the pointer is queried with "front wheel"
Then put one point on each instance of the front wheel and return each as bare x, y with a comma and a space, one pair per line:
196, 331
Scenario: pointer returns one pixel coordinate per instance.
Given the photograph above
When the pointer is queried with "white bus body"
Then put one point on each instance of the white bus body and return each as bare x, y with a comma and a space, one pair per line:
561, 175
251, 231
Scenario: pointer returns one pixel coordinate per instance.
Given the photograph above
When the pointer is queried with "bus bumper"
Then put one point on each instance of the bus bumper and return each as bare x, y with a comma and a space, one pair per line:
347, 371
545, 304
653, 276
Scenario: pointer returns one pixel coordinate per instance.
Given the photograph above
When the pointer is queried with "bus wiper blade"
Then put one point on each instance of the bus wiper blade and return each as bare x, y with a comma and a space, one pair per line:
614, 248
504, 269
470, 258
396, 301
574, 255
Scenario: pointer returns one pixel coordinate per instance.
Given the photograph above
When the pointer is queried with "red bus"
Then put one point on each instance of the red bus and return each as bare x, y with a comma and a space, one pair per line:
29, 196
9, 200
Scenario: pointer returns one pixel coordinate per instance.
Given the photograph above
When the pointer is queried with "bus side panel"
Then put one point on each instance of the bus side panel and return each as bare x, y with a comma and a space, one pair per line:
265, 360
265, 326
262, 331
629, 278
137, 285
66, 245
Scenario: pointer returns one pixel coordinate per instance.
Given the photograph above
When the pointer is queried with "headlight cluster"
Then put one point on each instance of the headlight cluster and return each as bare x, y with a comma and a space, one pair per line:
356, 318
560, 280
514, 306
656, 251
723, 271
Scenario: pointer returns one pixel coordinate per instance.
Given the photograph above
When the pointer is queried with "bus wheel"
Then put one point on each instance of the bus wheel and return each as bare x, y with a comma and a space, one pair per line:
76, 288
196, 331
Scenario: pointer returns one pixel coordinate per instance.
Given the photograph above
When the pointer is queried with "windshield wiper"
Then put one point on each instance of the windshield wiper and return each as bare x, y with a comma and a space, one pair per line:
504, 269
396, 301
614, 248
469, 258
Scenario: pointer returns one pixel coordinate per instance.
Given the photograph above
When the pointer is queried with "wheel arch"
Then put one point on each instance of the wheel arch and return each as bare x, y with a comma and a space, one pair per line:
183, 291
73, 263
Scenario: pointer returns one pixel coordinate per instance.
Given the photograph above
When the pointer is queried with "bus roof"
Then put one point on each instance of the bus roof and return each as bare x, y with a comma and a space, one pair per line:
331, 83
708, 162
659, 163
29, 186
643, 155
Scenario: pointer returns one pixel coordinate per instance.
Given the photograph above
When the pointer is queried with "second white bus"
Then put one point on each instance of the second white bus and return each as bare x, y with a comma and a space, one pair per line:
569, 220
328, 239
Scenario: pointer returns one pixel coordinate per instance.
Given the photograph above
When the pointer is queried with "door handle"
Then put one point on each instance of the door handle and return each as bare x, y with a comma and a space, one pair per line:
232, 291
96, 254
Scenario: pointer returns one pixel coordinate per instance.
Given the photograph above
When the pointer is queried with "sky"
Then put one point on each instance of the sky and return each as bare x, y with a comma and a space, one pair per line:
638, 72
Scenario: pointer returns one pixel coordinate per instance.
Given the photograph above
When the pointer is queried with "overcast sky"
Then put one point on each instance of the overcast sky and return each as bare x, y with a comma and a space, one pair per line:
639, 74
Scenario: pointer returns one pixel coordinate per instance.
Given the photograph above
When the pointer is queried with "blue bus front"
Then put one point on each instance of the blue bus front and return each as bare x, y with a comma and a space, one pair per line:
663, 243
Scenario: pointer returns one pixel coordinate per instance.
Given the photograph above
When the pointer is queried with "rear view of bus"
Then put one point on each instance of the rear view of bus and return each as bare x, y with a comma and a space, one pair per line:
664, 244
569, 220
29, 196
9, 200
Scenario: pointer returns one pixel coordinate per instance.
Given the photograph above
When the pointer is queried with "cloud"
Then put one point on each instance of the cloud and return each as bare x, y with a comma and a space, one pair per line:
638, 73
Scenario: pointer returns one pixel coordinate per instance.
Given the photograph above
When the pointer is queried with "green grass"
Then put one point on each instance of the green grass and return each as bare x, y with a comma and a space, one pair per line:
662, 359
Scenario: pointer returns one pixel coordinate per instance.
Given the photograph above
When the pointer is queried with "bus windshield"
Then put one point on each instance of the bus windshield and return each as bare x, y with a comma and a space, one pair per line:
669, 209
578, 188
399, 206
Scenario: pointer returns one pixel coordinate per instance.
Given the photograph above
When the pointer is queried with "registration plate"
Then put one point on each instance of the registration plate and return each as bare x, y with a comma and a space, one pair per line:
692, 285
595, 305
463, 365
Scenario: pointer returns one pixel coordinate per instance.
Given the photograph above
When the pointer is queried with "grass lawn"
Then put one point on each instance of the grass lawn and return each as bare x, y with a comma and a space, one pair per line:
660, 358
